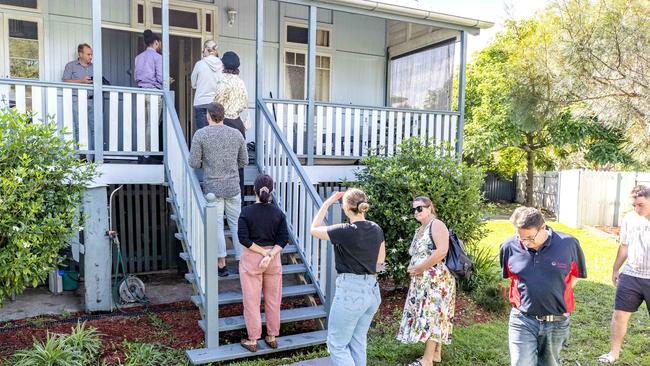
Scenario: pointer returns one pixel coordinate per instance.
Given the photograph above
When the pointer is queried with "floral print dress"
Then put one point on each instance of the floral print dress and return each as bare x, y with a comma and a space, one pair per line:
430, 303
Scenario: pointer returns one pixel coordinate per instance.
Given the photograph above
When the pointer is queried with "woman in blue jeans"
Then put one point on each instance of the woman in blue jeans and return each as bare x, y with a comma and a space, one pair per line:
358, 247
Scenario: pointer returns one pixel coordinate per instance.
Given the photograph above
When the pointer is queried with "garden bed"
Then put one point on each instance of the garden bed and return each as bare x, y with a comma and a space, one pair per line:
175, 325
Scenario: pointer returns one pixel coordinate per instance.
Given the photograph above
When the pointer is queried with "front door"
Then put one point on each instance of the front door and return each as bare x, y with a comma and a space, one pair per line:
184, 52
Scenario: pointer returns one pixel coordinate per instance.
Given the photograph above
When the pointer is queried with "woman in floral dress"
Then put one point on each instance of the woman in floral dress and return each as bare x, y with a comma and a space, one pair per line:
429, 307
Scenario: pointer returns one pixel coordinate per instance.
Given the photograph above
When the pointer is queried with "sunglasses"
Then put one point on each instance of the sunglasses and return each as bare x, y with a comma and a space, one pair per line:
417, 209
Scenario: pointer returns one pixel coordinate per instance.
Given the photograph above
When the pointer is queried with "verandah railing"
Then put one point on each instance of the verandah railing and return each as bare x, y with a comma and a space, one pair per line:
126, 114
350, 131
297, 197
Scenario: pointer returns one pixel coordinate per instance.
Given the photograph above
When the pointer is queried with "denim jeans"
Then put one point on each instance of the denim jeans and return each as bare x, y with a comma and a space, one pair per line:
355, 303
231, 207
535, 343
200, 118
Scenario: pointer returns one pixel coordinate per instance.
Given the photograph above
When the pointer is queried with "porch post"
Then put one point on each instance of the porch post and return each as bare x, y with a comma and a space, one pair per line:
98, 96
461, 94
259, 59
311, 83
211, 295
165, 42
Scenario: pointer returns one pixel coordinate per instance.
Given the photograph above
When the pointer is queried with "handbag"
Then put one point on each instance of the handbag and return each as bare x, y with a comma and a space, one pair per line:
457, 259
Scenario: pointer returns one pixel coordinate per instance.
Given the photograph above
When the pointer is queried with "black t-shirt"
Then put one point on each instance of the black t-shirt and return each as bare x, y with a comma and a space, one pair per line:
263, 224
356, 246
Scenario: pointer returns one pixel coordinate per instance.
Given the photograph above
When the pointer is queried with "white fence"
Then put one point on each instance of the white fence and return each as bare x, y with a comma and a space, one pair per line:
584, 197
348, 131
130, 123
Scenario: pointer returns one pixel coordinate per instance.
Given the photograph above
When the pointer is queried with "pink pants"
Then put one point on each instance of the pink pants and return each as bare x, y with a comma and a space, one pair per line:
253, 281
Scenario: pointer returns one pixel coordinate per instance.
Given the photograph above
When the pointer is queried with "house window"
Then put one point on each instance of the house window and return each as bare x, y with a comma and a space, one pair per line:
423, 79
23, 49
31, 4
178, 18
300, 35
295, 80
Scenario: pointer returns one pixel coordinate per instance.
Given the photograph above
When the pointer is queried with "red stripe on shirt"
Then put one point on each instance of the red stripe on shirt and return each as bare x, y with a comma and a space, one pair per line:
513, 296
568, 290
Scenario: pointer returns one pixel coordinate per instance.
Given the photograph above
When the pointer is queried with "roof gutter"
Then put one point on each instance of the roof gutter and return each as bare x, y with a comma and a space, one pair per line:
381, 7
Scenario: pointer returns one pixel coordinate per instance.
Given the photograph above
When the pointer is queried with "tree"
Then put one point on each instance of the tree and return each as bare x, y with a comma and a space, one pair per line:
41, 186
513, 111
603, 48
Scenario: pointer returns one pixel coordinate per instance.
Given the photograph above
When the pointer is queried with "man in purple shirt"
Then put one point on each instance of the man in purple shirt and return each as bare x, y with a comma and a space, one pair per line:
148, 64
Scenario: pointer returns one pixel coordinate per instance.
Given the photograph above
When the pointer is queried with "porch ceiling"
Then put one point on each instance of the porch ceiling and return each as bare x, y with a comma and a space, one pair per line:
401, 10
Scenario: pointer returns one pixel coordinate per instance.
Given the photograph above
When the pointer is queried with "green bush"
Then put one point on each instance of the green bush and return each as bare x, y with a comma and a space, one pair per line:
79, 348
152, 354
392, 182
483, 286
41, 186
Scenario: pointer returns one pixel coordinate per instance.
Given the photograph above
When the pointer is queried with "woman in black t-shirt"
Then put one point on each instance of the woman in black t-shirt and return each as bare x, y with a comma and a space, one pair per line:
358, 248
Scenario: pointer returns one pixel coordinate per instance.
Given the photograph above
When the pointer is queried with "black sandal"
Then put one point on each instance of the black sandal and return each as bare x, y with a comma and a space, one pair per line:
251, 347
273, 344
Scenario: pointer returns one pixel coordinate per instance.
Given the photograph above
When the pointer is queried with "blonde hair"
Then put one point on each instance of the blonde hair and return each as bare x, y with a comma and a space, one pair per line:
356, 200
210, 47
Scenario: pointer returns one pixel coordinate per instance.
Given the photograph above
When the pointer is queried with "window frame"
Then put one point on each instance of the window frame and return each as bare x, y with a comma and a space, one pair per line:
38, 9
6, 71
303, 48
304, 52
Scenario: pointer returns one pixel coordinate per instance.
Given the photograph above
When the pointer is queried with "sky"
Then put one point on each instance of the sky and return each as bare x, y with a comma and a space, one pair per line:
496, 11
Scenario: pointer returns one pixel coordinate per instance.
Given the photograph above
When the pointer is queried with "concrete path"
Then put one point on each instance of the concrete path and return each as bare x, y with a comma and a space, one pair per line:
316, 362
161, 289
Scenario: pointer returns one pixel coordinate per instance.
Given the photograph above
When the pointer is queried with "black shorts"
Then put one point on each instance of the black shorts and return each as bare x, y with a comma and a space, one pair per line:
631, 292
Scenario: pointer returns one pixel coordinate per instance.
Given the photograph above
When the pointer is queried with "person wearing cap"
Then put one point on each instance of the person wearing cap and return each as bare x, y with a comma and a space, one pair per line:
206, 74
220, 150
231, 93
543, 266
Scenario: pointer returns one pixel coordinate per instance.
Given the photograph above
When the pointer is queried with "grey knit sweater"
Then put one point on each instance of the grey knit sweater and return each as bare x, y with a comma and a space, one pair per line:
220, 150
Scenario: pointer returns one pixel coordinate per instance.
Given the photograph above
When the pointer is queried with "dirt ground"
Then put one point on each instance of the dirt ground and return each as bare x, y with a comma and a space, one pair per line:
175, 325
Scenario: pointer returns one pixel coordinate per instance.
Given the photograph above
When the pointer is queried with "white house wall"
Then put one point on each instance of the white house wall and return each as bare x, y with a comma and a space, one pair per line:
62, 35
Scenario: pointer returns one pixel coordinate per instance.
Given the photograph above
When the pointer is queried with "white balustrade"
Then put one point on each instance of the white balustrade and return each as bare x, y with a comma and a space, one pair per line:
342, 131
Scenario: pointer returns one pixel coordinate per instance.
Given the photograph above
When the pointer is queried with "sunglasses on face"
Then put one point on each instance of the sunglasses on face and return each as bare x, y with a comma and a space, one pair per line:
417, 209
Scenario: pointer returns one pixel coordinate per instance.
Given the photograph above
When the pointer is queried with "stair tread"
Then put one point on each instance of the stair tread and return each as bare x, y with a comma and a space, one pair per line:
286, 316
233, 297
235, 351
231, 252
286, 269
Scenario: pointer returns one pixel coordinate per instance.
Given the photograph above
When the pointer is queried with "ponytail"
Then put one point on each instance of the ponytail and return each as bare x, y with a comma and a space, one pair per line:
263, 187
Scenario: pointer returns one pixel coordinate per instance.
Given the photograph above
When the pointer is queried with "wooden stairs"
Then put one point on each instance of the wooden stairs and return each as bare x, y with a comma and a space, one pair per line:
296, 283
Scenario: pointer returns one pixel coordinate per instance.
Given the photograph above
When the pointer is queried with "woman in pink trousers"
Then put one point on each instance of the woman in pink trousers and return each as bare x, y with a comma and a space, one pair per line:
263, 231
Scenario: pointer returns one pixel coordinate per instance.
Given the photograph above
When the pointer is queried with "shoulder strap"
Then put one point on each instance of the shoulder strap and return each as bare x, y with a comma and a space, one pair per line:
431, 235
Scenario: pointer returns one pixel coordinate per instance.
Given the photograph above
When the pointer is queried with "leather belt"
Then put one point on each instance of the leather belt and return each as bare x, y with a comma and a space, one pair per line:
550, 318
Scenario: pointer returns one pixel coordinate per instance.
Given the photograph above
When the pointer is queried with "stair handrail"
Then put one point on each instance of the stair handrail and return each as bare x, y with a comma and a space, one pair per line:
326, 294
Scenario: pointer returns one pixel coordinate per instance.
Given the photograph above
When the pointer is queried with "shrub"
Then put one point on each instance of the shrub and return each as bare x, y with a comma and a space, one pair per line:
41, 186
151, 354
483, 286
392, 182
85, 341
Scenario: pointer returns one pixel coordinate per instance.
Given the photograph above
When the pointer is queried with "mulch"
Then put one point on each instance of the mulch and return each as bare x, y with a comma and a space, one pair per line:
181, 330
613, 230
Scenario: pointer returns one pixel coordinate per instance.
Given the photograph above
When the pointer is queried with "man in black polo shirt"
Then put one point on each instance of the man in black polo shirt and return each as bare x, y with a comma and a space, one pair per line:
543, 265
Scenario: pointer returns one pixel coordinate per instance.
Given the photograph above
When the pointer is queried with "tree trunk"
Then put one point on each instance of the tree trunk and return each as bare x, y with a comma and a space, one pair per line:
530, 170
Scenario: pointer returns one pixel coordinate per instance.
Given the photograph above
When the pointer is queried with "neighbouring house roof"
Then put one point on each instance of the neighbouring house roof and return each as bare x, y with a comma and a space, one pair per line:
412, 9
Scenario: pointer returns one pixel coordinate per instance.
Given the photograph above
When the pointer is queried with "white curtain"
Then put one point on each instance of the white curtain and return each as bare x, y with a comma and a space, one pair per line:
423, 80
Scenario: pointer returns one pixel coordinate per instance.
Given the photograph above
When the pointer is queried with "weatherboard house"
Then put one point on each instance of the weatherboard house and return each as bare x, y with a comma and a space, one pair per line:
329, 82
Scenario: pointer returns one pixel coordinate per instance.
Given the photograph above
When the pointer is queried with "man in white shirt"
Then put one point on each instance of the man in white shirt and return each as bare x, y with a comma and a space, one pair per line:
633, 284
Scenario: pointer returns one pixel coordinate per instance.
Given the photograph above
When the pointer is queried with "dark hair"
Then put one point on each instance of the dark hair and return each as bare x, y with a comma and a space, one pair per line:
231, 71
150, 37
216, 111
356, 200
81, 47
527, 218
263, 181
427, 201
640, 191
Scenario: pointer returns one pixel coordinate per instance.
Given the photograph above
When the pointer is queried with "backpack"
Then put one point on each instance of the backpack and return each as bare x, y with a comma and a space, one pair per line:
457, 260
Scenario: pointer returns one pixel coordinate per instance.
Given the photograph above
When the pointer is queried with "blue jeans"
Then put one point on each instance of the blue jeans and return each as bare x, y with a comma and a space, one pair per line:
200, 119
535, 343
231, 207
355, 303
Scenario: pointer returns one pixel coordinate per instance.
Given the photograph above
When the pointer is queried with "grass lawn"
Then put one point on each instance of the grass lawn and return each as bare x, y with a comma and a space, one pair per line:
487, 344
